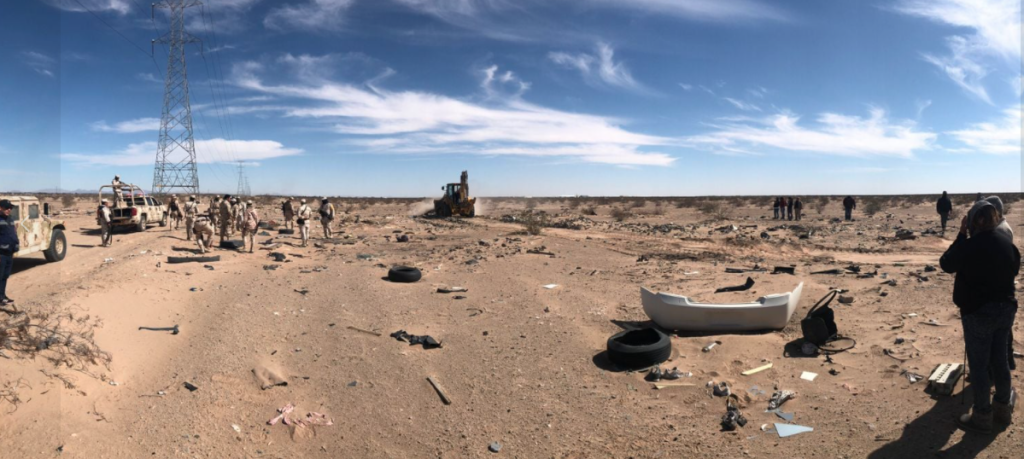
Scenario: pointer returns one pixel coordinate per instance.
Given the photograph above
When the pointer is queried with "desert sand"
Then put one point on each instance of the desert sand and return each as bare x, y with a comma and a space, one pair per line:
523, 365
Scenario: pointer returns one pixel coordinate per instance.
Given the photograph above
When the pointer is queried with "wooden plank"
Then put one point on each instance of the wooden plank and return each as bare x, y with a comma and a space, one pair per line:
440, 391
757, 370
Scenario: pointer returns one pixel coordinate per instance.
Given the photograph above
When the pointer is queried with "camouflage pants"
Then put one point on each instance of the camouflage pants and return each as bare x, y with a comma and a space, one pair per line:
204, 237
304, 230
106, 234
225, 228
189, 223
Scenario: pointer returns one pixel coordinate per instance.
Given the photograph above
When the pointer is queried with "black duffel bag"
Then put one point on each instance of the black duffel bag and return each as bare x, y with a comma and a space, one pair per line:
819, 326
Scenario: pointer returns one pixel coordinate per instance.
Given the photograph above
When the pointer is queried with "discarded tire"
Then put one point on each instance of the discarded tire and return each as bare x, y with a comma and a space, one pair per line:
404, 274
193, 259
232, 245
635, 349
286, 231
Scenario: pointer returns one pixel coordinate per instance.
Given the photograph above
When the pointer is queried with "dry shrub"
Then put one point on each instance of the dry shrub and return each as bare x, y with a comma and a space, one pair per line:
620, 214
638, 203
589, 210
821, 204
67, 201
575, 203
872, 206
530, 203
533, 222
659, 208
715, 210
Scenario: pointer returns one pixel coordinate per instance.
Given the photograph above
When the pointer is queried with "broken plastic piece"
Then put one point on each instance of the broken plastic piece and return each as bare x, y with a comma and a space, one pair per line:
737, 288
675, 312
757, 370
808, 376
788, 430
780, 397
788, 417
427, 341
550, 286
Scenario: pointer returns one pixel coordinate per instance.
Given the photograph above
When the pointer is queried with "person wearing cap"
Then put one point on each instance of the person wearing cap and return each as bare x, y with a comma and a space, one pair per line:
305, 214
236, 215
288, 211
174, 212
214, 212
326, 217
986, 263
848, 205
103, 217
203, 230
118, 187
250, 226
9, 245
225, 218
191, 210
944, 206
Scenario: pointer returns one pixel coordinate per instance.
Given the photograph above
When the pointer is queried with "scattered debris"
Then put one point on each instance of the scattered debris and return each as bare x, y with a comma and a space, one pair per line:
755, 269
788, 430
784, 270
808, 376
550, 286
369, 332
737, 288
278, 256
830, 271
494, 447
757, 370
732, 418
267, 378
721, 389
911, 376
711, 346
846, 299
943, 379
452, 289
427, 341
780, 397
191, 387
173, 330
440, 391
788, 417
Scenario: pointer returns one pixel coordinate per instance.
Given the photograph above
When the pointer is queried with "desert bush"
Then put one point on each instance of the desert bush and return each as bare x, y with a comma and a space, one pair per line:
1006, 207
715, 210
530, 204
659, 208
872, 206
589, 210
575, 203
638, 203
533, 222
821, 204
67, 201
620, 214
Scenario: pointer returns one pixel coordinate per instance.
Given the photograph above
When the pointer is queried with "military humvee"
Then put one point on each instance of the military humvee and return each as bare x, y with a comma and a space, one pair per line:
36, 230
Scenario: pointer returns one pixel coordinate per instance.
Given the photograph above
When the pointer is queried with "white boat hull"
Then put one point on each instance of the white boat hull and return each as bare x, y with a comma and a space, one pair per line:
674, 312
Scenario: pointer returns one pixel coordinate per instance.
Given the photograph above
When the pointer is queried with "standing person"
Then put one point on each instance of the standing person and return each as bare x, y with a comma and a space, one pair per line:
985, 262
103, 218
798, 206
236, 215
214, 212
789, 209
326, 217
203, 229
305, 215
289, 213
174, 212
225, 218
775, 209
9, 245
191, 210
782, 208
251, 224
944, 207
848, 205
118, 190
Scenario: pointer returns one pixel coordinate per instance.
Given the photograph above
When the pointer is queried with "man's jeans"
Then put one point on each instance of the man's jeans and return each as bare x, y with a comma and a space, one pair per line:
986, 333
6, 264
849, 214
945, 218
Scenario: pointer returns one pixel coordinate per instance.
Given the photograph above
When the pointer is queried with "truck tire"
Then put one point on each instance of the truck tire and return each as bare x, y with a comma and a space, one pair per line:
637, 349
163, 221
472, 212
404, 274
58, 247
143, 223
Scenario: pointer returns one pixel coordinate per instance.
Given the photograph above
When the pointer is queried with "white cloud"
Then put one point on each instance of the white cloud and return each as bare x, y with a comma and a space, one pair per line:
759, 92
41, 63
922, 105
128, 127
149, 78
1000, 137
118, 6
996, 27
745, 106
599, 70
313, 15
710, 10
413, 122
835, 135
686, 87
144, 153
494, 81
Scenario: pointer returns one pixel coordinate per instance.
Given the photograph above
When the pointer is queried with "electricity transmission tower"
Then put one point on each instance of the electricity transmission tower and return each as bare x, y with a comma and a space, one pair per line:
176, 151
243, 181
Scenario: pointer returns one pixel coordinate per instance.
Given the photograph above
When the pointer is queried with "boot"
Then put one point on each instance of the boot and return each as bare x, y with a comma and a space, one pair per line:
975, 422
1002, 414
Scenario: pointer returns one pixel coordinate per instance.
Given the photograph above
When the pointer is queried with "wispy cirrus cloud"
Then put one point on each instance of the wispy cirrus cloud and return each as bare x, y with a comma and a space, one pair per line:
835, 134
998, 137
745, 106
82, 6
386, 121
128, 127
313, 15
599, 69
41, 63
996, 35
207, 152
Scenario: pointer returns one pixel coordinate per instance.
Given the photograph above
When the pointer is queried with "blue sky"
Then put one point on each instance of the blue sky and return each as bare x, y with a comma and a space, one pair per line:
533, 97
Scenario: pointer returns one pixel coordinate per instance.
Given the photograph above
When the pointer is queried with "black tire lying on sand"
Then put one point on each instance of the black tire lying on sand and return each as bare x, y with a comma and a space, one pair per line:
286, 231
232, 244
404, 274
193, 259
636, 349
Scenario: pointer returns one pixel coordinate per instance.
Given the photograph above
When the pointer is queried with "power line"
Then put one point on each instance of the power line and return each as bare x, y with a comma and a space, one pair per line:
99, 18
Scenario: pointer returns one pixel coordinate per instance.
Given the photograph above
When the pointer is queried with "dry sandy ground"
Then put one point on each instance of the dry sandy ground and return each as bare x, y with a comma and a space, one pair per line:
523, 365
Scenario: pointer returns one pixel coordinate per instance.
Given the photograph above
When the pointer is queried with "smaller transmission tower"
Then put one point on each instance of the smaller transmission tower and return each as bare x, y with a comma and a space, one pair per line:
175, 166
243, 181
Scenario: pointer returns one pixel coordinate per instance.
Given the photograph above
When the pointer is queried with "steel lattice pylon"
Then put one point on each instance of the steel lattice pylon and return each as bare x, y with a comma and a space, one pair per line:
176, 150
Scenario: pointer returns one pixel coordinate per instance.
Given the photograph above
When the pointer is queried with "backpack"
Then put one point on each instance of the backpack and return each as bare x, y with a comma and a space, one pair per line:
819, 326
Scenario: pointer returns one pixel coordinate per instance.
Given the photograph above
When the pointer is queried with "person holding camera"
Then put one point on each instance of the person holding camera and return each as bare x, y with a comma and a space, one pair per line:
985, 262
326, 217
305, 215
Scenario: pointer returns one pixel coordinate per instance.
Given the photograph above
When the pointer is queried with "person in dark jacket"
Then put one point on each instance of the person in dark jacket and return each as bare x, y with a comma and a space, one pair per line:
9, 245
775, 209
789, 208
798, 207
849, 204
985, 262
782, 207
944, 207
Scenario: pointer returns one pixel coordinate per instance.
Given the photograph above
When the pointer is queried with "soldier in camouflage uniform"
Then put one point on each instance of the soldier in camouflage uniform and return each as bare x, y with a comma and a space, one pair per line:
191, 210
225, 218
